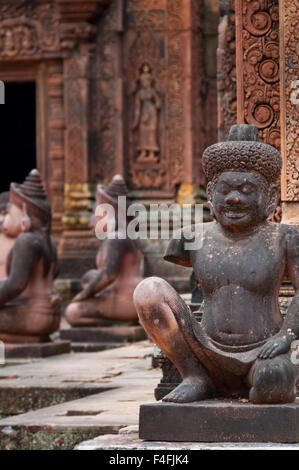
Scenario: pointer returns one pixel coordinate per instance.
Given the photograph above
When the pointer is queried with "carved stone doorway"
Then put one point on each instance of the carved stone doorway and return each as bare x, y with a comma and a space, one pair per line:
18, 132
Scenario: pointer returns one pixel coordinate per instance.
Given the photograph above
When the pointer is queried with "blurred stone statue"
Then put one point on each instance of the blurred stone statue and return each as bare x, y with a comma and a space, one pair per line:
107, 291
29, 305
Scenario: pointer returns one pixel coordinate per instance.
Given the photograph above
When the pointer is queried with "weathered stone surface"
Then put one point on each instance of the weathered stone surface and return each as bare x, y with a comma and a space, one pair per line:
36, 350
131, 442
113, 384
219, 421
102, 335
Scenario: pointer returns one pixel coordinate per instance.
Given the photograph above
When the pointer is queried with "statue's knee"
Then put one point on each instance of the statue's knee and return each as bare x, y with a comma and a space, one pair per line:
71, 313
149, 293
273, 381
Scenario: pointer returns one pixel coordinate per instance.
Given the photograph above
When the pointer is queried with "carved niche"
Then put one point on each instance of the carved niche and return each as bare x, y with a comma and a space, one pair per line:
257, 34
145, 97
290, 100
28, 30
157, 38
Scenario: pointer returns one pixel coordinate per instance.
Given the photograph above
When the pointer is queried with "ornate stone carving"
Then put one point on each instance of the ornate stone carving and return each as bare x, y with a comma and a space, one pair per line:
78, 203
290, 99
258, 67
28, 31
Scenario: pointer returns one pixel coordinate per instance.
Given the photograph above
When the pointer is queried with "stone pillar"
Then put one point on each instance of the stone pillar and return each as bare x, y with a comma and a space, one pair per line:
226, 70
289, 95
56, 127
77, 246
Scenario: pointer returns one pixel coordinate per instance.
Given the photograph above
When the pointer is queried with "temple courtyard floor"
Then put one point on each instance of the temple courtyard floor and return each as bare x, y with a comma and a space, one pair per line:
86, 401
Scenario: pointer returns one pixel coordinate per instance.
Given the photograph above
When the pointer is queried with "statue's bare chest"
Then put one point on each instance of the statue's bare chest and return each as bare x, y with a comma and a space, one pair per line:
254, 264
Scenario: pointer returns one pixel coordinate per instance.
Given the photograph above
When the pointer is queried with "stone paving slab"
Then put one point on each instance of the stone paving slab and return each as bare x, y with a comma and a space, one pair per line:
36, 350
131, 443
118, 381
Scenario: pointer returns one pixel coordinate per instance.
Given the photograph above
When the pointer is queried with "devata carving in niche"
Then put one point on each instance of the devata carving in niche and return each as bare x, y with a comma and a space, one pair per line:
146, 117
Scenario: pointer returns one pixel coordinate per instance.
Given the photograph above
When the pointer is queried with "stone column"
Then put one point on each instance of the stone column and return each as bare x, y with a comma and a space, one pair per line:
226, 70
77, 246
289, 95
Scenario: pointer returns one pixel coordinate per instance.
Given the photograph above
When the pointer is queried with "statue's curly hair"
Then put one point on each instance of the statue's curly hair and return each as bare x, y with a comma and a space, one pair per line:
242, 156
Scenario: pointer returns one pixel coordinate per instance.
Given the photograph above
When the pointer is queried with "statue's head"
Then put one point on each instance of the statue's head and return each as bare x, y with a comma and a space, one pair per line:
243, 176
146, 78
110, 195
29, 209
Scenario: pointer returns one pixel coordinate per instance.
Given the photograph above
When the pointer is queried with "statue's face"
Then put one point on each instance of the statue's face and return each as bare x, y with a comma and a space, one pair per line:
239, 202
12, 226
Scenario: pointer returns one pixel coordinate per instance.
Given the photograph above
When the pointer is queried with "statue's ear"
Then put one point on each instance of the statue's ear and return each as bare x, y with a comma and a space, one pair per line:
273, 201
25, 221
210, 198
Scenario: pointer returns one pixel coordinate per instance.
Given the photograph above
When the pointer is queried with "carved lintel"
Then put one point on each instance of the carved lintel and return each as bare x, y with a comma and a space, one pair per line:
29, 31
77, 11
76, 17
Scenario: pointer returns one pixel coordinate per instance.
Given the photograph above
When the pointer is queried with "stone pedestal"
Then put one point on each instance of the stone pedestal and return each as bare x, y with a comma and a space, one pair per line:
103, 337
219, 421
36, 350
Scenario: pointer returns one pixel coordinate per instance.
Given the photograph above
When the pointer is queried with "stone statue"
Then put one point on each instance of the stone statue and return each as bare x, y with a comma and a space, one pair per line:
6, 243
29, 306
242, 345
147, 105
108, 290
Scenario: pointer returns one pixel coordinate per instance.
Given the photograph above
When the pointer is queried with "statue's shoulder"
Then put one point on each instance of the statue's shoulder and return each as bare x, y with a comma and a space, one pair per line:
289, 238
28, 245
288, 231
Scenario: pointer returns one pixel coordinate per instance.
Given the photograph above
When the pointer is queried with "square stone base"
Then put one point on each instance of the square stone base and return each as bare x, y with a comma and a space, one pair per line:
36, 350
219, 421
102, 337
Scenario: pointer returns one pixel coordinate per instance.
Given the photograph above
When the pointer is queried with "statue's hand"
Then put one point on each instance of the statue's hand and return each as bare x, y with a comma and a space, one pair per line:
277, 345
83, 295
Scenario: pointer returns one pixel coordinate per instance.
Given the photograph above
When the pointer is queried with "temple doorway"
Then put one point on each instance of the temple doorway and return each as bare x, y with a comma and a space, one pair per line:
18, 133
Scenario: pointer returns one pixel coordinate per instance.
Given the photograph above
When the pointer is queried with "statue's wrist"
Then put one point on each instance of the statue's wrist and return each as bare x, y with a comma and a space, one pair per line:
287, 335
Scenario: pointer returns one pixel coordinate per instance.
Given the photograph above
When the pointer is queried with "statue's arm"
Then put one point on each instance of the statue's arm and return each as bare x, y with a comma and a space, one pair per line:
137, 110
281, 342
112, 257
25, 254
291, 322
158, 100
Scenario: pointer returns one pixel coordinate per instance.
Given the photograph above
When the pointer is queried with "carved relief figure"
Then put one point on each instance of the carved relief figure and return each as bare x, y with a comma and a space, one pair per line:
146, 114
29, 306
108, 290
242, 345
